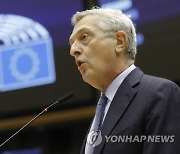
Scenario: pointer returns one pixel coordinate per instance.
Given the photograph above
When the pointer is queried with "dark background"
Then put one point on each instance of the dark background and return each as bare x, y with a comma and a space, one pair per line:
63, 127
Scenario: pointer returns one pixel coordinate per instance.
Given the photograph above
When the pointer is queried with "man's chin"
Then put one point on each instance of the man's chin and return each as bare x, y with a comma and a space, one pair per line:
86, 78
89, 81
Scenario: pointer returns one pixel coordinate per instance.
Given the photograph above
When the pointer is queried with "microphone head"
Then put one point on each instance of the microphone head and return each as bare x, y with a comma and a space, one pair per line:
67, 96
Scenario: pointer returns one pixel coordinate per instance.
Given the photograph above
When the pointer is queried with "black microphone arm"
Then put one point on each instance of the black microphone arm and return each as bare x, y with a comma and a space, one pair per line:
60, 100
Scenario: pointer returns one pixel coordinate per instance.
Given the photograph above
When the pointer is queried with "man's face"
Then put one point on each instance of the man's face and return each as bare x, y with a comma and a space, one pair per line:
93, 51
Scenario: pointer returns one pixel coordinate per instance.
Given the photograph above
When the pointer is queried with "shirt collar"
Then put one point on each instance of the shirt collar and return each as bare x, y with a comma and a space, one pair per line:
113, 87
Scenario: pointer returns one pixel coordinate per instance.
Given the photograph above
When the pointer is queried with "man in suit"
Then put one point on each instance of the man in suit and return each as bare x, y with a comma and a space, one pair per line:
142, 112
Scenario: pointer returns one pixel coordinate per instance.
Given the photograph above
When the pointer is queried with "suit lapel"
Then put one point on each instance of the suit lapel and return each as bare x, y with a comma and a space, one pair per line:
119, 104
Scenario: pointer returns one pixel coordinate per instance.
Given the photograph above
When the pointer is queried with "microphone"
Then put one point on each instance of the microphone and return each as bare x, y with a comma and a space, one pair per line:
60, 100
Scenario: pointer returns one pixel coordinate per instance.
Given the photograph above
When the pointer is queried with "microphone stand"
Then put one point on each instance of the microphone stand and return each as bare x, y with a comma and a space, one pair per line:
60, 100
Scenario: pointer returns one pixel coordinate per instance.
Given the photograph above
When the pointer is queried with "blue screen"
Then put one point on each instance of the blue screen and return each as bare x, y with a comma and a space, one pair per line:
24, 151
30, 30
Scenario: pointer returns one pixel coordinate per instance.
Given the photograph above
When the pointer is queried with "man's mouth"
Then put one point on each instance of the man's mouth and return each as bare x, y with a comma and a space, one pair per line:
79, 63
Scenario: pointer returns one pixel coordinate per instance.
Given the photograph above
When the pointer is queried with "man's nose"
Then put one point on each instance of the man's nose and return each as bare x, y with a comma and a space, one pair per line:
75, 50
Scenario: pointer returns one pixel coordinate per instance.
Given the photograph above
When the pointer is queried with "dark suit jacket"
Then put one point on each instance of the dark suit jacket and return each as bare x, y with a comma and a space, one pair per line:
143, 106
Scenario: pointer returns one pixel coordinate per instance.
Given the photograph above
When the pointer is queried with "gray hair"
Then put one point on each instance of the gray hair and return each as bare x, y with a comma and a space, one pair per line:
112, 21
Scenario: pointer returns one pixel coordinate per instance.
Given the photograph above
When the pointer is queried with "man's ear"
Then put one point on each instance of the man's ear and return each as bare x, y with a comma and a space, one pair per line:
121, 41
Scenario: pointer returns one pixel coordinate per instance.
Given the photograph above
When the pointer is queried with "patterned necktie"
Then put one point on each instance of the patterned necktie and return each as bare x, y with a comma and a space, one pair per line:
94, 137
99, 112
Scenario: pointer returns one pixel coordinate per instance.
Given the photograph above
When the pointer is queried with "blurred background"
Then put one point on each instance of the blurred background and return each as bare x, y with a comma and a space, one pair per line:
25, 92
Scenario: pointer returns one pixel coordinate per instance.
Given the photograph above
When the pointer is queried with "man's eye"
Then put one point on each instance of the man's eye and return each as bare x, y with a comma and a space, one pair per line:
84, 36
